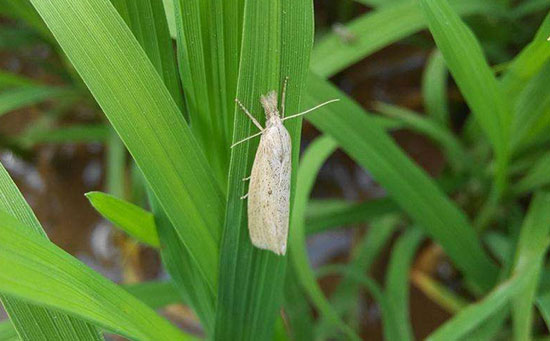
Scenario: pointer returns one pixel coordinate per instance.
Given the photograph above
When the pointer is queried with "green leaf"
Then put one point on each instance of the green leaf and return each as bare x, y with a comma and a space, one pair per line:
405, 182
452, 146
70, 134
397, 286
178, 262
132, 219
142, 16
532, 109
142, 111
34, 269
209, 40
528, 62
7, 331
147, 20
438, 293
326, 214
24, 316
346, 295
18, 98
277, 39
434, 89
537, 176
156, 294
474, 77
532, 246
532, 242
8, 80
312, 161
377, 29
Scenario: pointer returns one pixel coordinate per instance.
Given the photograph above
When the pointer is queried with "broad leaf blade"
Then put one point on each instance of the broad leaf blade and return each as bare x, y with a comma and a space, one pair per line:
142, 111
24, 316
277, 40
35, 269
405, 182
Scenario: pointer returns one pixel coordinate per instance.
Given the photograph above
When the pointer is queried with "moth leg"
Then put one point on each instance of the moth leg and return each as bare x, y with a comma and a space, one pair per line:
247, 178
283, 98
246, 139
244, 196
256, 123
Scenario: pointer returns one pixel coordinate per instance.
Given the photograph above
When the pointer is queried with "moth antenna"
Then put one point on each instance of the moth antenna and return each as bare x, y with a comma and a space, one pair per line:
255, 121
283, 98
246, 139
312, 109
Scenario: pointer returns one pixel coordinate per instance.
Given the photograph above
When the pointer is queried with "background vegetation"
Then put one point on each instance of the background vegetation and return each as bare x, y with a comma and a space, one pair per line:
157, 81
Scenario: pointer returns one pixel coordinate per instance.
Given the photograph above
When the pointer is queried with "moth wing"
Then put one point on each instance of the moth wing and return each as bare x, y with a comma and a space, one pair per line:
269, 192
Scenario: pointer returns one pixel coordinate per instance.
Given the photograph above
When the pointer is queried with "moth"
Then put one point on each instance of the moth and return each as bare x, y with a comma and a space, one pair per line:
269, 189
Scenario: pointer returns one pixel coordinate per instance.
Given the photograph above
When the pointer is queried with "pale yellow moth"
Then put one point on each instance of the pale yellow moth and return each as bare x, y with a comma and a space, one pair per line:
269, 190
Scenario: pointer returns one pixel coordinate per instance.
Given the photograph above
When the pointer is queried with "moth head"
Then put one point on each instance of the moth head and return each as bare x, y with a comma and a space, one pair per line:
269, 102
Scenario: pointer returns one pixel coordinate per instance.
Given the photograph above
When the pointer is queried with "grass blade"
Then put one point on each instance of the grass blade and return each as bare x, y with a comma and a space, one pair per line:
130, 218
532, 246
537, 176
156, 294
277, 41
18, 98
474, 77
35, 269
142, 111
532, 109
208, 36
7, 331
377, 29
147, 20
326, 214
454, 150
528, 62
397, 286
434, 89
312, 161
24, 316
405, 182
346, 295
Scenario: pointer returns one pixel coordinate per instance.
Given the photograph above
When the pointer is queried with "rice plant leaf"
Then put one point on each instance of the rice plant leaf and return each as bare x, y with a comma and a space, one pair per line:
532, 109
534, 236
454, 150
277, 40
297, 309
397, 286
24, 316
132, 219
77, 133
156, 294
537, 176
543, 305
142, 111
528, 62
474, 77
532, 246
326, 214
12, 80
434, 89
18, 98
142, 15
313, 159
376, 30
147, 20
7, 331
345, 296
176, 258
405, 182
23, 10
437, 292
34, 269
208, 38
